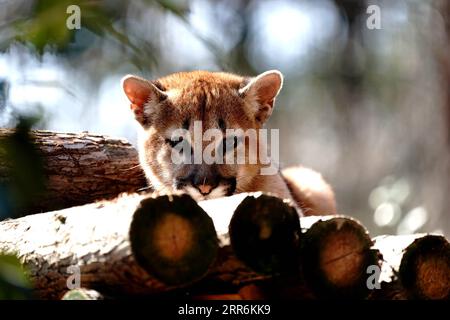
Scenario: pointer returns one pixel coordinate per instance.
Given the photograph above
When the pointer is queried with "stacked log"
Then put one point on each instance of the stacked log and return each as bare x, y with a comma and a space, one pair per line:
330, 254
148, 244
94, 240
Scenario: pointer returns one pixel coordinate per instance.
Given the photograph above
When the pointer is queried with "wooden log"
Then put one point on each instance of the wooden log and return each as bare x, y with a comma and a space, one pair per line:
264, 234
173, 239
335, 253
93, 242
417, 266
79, 168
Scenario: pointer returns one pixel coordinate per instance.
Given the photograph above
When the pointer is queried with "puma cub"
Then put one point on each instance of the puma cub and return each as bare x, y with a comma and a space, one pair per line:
198, 101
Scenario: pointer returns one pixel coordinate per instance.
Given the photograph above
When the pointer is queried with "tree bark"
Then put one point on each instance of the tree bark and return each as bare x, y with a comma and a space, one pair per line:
80, 168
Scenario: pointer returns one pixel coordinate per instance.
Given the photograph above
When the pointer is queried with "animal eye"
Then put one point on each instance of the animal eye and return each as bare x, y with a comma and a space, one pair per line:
174, 142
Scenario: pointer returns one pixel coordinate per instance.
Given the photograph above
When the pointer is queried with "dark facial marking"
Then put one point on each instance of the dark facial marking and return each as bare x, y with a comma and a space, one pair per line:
186, 124
222, 125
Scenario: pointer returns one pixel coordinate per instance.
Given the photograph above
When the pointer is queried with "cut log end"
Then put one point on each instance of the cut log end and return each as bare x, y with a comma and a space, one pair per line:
173, 239
342, 257
335, 254
425, 268
264, 234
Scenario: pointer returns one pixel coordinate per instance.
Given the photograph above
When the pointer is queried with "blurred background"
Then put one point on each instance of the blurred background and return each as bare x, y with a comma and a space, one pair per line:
369, 108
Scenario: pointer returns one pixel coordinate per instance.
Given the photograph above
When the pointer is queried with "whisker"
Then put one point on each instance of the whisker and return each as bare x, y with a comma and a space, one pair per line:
144, 188
133, 167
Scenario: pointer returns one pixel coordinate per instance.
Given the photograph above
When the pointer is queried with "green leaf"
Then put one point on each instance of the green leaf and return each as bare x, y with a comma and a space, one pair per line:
14, 283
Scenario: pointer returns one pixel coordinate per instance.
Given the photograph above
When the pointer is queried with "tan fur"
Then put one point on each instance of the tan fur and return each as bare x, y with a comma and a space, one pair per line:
180, 99
310, 191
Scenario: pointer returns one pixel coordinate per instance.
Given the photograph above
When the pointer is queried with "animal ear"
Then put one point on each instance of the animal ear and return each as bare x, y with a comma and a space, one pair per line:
261, 92
143, 95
